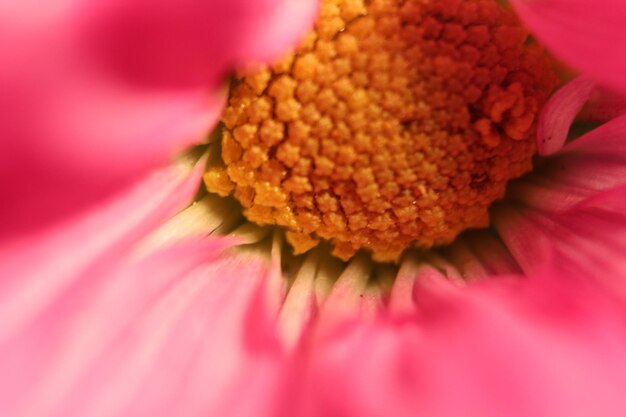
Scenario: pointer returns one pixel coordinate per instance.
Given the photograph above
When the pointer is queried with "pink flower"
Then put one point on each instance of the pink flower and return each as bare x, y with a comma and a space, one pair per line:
115, 300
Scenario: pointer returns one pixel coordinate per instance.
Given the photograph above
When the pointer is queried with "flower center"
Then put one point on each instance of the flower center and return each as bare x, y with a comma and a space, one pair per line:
396, 123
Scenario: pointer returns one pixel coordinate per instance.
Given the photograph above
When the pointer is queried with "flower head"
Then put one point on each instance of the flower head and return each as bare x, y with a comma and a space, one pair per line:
126, 291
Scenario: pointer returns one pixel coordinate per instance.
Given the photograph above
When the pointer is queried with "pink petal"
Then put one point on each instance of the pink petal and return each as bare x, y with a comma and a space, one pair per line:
185, 42
502, 348
590, 37
524, 236
559, 113
588, 241
590, 164
37, 268
168, 334
95, 93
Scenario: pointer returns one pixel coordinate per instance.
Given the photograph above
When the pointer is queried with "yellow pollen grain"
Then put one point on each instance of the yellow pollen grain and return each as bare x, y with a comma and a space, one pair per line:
396, 123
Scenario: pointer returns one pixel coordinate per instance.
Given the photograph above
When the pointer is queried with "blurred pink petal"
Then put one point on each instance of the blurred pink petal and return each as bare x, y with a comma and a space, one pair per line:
180, 43
588, 36
163, 335
502, 348
38, 268
96, 93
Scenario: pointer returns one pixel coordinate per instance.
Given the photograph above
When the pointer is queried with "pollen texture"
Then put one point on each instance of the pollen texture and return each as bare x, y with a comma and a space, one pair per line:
395, 124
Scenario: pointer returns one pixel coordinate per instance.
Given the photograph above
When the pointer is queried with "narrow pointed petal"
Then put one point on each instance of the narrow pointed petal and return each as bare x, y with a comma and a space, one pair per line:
347, 298
480, 255
209, 216
299, 306
401, 297
589, 37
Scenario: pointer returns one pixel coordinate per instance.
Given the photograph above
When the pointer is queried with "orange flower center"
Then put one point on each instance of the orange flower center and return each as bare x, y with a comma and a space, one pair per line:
396, 123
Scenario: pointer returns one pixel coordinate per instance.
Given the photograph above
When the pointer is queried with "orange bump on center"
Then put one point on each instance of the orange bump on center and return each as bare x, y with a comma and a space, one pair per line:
395, 123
